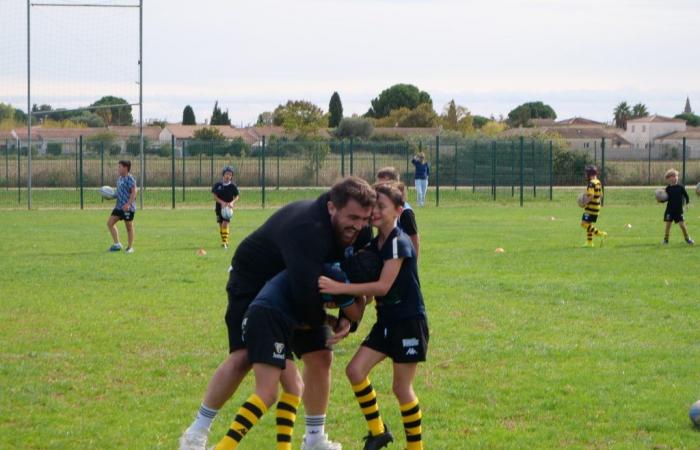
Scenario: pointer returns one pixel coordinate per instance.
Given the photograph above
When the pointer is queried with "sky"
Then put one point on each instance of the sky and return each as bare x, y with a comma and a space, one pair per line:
582, 57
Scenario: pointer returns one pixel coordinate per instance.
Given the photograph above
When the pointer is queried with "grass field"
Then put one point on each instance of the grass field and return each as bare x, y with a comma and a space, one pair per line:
548, 345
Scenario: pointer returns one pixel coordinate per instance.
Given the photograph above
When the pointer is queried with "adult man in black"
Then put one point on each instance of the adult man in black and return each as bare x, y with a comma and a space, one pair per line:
299, 237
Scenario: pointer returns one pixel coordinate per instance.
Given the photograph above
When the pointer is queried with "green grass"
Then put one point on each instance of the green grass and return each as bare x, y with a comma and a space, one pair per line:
547, 345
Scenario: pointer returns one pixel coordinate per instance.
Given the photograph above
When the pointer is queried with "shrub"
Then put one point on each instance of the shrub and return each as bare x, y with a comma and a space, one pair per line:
54, 148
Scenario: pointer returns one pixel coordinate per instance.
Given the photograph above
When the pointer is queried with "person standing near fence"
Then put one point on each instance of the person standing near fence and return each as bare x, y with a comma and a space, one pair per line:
677, 199
225, 193
125, 208
421, 176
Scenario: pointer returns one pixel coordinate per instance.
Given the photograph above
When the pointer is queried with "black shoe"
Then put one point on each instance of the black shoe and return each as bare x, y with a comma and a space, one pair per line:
378, 441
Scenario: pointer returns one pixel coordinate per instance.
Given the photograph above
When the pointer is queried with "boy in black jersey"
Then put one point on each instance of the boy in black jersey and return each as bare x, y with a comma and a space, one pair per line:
225, 193
407, 219
401, 332
674, 206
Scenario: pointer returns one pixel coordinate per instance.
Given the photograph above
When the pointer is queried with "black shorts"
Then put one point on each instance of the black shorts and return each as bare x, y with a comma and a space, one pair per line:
673, 217
240, 295
267, 336
590, 218
403, 342
126, 216
307, 340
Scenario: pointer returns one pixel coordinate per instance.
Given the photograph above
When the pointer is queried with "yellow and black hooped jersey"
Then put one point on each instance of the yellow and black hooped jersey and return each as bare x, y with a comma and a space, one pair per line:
595, 191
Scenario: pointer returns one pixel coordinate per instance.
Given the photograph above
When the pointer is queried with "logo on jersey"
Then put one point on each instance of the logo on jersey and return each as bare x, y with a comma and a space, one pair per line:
279, 351
410, 346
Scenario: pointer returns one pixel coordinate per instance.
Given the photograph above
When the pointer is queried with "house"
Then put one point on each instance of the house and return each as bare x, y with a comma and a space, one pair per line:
578, 132
642, 132
186, 132
673, 143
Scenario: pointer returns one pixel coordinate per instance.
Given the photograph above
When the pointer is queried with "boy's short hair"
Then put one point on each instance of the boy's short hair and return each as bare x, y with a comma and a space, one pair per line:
396, 191
227, 169
126, 163
352, 188
591, 170
388, 173
670, 173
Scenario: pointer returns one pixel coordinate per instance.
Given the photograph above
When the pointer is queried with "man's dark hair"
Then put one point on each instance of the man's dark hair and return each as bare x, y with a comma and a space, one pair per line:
126, 163
352, 188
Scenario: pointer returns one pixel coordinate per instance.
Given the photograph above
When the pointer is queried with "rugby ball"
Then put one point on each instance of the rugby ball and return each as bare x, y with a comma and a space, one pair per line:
694, 413
108, 193
661, 195
227, 212
581, 200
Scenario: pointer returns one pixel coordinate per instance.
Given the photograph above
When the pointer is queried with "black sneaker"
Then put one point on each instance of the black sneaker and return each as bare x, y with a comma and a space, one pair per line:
378, 441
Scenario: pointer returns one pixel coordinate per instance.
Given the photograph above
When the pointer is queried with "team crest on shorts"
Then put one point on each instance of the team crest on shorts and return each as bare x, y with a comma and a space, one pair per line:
410, 344
279, 351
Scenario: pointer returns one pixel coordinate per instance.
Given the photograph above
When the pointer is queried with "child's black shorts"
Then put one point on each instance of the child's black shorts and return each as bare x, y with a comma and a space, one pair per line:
403, 342
590, 218
126, 216
673, 217
267, 336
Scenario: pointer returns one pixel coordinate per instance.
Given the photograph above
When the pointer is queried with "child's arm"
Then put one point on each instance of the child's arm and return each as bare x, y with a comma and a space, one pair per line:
132, 198
685, 194
377, 288
355, 311
218, 200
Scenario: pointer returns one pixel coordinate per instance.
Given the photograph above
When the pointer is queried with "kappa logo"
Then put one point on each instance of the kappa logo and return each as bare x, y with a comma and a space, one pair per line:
411, 352
279, 351
412, 342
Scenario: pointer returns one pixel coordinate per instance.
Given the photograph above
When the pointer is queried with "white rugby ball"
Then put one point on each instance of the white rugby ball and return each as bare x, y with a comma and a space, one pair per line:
227, 212
108, 193
581, 200
661, 195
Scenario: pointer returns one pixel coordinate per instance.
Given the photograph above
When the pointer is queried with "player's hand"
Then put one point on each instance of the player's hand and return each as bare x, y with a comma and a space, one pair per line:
230, 205
341, 330
329, 286
125, 208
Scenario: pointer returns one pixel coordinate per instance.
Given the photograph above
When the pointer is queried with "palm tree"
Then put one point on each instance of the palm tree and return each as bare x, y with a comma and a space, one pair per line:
622, 114
639, 110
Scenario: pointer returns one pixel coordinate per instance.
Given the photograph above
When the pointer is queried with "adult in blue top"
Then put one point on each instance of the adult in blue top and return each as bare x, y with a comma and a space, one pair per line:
421, 176
125, 208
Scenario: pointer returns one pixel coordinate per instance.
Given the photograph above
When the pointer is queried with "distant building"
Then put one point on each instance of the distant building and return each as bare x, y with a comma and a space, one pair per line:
642, 132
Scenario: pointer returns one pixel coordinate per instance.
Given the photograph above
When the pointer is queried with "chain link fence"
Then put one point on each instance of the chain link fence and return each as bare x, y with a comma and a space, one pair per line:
67, 174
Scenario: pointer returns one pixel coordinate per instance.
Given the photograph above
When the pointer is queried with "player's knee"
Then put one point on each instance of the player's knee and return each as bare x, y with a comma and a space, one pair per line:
354, 373
318, 361
585, 225
294, 386
402, 390
267, 393
237, 364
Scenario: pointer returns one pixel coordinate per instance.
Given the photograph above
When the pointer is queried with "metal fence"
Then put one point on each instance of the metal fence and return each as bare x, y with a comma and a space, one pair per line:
67, 174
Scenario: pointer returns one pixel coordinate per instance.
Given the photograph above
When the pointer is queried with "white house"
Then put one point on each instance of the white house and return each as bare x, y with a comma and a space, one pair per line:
642, 132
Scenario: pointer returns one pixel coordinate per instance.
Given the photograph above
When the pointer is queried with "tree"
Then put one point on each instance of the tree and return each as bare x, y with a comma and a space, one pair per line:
6, 112
354, 127
521, 115
639, 110
457, 118
113, 115
621, 115
335, 111
188, 117
480, 121
398, 96
691, 119
218, 117
208, 134
422, 116
264, 119
299, 116
493, 128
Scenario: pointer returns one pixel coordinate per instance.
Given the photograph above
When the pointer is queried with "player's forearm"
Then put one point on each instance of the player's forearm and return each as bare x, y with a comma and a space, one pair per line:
416, 242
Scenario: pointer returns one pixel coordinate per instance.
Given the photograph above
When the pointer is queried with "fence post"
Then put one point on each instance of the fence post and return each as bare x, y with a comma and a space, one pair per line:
81, 172
455, 171
316, 162
512, 169
172, 173
522, 168
342, 158
102, 165
493, 170
595, 152
7, 165
19, 171
184, 154
77, 170
437, 171
684, 160
602, 168
278, 163
262, 174
649, 166
374, 161
551, 172
211, 163
201, 180
352, 157
534, 171
420, 149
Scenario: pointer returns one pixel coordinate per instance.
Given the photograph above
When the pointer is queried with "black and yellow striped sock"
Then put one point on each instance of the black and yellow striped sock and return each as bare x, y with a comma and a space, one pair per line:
224, 231
286, 415
247, 416
367, 398
590, 232
411, 417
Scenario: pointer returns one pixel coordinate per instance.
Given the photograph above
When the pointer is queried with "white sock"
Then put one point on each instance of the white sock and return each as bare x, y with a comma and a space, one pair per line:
314, 429
205, 416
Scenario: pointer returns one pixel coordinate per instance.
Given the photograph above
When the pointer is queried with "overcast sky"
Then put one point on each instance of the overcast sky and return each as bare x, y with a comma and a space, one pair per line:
580, 56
